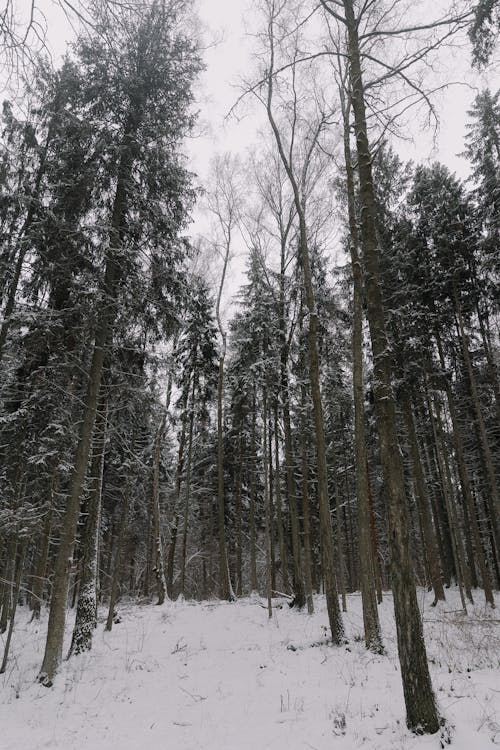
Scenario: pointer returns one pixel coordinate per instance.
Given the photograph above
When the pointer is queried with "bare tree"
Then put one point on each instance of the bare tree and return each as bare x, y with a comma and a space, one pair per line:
225, 206
290, 142
373, 637
421, 709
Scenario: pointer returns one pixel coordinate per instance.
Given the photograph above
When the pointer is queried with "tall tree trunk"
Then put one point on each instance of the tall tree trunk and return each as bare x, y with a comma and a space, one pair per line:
421, 709
306, 503
41, 564
271, 498
299, 598
466, 486
423, 507
376, 557
279, 510
86, 612
225, 587
253, 471
105, 322
239, 519
444, 470
115, 578
373, 636
159, 567
174, 526
15, 592
298, 579
10, 567
338, 533
332, 602
485, 447
187, 490
267, 505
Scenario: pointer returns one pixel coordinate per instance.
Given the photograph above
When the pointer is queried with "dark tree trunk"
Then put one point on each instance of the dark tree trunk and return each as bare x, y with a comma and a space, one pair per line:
423, 508
105, 323
86, 611
115, 579
421, 709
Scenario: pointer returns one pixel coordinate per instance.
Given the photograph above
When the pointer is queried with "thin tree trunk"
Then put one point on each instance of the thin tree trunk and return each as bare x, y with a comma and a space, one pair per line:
442, 456
239, 520
267, 505
187, 491
466, 487
159, 567
174, 528
253, 541
225, 587
306, 504
271, 498
332, 602
298, 580
86, 612
373, 530
371, 622
115, 579
423, 507
41, 565
485, 447
281, 534
340, 542
6, 603
448, 507
16, 591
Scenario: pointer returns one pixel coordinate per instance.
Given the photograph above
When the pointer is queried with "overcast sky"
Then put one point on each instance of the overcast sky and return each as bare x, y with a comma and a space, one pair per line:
231, 57
228, 58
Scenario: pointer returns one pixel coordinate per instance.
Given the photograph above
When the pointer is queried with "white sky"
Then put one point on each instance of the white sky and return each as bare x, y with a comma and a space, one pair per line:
230, 58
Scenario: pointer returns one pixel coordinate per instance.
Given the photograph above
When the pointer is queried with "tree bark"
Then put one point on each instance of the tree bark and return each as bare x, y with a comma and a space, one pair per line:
267, 505
423, 508
332, 602
485, 447
86, 611
187, 490
279, 510
115, 580
16, 591
159, 567
421, 709
105, 323
466, 487
306, 504
371, 623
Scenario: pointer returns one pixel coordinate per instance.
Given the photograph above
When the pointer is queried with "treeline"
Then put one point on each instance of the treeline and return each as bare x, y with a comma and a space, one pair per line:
340, 432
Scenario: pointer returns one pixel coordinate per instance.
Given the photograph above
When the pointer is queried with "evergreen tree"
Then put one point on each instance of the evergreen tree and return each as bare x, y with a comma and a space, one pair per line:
134, 84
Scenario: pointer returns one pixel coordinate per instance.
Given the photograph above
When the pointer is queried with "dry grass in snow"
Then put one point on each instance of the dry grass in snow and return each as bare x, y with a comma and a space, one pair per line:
217, 676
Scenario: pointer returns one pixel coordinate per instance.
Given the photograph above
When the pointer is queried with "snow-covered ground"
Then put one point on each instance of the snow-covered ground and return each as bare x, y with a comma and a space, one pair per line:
217, 676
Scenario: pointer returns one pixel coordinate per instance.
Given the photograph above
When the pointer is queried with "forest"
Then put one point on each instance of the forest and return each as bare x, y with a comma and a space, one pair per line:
327, 429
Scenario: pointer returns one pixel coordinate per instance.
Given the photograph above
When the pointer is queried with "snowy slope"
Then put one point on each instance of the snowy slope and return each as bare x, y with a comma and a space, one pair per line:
218, 676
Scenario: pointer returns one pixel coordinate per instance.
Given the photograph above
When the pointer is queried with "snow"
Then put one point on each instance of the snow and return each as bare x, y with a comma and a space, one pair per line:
219, 676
